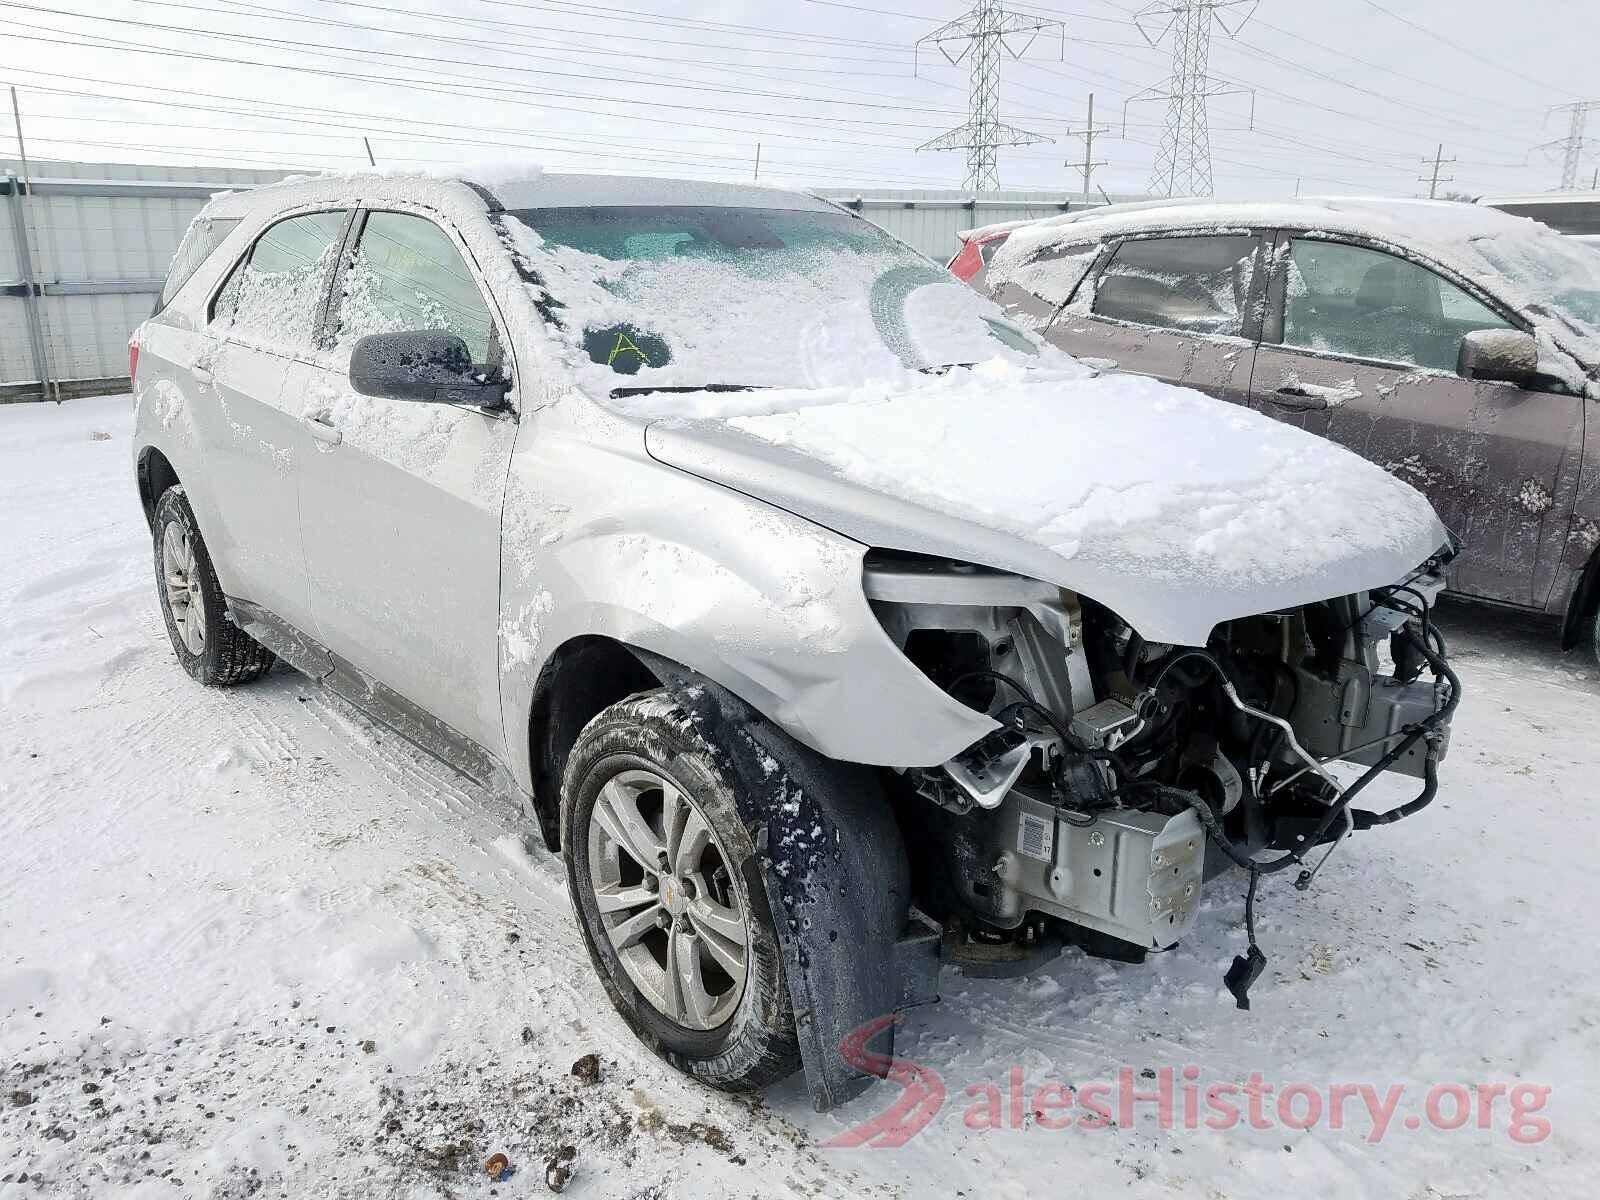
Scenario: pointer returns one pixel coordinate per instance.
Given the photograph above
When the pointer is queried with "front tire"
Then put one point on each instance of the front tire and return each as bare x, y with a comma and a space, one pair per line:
210, 646
668, 892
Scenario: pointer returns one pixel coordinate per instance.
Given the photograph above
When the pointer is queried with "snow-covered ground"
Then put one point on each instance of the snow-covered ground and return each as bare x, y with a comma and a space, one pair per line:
251, 944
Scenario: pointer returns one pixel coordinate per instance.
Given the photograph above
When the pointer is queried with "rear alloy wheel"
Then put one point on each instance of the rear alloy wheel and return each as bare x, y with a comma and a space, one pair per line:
209, 645
664, 878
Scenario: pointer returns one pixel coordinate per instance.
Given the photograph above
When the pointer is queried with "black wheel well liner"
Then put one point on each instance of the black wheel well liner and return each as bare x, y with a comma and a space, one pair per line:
155, 476
583, 677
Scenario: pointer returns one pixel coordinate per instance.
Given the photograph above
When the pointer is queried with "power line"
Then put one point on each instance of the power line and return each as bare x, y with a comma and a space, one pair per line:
1435, 35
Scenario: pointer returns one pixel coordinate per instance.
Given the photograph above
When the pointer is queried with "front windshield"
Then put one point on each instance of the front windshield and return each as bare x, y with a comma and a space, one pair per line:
1551, 271
675, 297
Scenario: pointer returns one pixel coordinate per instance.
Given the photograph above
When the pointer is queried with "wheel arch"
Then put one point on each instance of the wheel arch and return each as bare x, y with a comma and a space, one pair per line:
1582, 604
155, 474
583, 677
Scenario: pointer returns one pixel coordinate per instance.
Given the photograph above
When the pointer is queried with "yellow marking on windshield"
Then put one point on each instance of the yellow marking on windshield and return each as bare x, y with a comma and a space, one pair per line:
625, 345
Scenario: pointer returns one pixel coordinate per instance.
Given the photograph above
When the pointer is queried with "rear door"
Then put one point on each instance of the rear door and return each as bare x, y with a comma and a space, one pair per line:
1361, 346
1184, 308
400, 503
261, 320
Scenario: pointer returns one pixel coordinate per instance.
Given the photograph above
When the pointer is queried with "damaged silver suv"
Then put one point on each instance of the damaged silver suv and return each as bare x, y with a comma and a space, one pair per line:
829, 625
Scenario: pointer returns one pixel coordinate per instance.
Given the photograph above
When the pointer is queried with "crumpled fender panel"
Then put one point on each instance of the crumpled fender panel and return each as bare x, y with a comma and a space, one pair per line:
607, 542
835, 873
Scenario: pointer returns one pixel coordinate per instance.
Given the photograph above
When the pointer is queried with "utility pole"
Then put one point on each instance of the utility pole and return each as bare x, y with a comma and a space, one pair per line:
1433, 181
371, 162
1575, 143
757, 175
984, 32
38, 326
1088, 133
1183, 161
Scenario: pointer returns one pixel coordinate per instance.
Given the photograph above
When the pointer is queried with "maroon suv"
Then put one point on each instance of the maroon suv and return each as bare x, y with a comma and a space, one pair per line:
1456, 346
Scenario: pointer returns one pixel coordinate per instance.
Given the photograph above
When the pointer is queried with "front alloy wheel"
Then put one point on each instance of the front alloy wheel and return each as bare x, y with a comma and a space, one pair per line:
669, 896
666, 899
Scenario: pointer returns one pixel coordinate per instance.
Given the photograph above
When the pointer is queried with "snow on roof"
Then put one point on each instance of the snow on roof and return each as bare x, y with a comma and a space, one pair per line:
551, 190
515, 185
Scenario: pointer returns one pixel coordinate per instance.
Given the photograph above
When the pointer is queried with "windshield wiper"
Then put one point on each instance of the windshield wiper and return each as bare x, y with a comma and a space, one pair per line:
622, 393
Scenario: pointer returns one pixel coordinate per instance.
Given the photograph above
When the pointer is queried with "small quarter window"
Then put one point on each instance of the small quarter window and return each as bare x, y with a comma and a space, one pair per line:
203, 236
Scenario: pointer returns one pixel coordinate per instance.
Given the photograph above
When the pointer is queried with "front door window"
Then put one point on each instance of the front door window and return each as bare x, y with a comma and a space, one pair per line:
1356, 302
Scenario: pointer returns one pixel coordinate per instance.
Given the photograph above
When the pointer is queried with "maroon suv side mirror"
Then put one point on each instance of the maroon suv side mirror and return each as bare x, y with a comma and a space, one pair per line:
1502, 355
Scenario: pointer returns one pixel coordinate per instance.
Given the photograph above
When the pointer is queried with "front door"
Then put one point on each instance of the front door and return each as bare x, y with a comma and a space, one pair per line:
400, 505
1361, 347
1184, 309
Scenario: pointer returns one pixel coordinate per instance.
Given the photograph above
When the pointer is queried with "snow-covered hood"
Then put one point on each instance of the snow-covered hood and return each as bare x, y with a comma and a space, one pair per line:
1175, 510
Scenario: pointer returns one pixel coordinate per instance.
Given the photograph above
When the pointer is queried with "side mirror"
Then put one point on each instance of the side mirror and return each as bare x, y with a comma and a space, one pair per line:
427, 365
1502, 355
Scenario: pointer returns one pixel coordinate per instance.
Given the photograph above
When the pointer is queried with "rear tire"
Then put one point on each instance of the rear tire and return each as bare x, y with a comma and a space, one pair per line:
1592, 635
640, 785
210, 646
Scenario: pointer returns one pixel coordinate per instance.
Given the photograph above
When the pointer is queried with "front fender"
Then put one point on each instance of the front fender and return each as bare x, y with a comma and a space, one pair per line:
764, 603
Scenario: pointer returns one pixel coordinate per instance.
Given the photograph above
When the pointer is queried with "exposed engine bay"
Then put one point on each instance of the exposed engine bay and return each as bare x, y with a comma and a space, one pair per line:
1126, 772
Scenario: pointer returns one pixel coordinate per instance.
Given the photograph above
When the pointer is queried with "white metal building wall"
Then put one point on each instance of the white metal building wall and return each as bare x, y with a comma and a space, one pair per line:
98, 260
929, 220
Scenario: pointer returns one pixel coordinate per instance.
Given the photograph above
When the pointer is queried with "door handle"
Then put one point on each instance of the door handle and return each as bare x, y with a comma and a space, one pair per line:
322, 431
1298, 400
201, 375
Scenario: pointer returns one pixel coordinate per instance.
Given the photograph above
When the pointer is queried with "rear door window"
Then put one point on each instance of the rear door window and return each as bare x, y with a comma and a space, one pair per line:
278, 290
1358, 302
203, 236
407, 274
1198, 284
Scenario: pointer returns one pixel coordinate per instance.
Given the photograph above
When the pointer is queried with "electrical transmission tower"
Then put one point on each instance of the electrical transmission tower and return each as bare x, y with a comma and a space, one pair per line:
985, 31
1183, 161
1575, 143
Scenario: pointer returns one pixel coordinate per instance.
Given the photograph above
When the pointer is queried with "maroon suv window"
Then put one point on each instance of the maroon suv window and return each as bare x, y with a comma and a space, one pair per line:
1197, 284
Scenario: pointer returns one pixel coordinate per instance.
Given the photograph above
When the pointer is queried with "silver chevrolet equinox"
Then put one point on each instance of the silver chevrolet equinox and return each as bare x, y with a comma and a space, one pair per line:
830, 626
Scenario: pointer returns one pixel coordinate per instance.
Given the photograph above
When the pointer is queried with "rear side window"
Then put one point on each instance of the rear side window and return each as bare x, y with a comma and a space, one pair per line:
1195, 284
276, 292
408, 275
203, 236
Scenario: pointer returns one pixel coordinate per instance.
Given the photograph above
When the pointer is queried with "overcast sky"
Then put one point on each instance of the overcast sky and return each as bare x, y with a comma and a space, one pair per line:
1350, 95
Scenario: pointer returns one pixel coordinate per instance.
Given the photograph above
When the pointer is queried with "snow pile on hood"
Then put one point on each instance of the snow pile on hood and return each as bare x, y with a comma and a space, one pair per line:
1152, 499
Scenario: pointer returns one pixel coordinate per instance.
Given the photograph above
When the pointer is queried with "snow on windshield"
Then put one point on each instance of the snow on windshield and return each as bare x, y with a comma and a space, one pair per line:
681, 297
